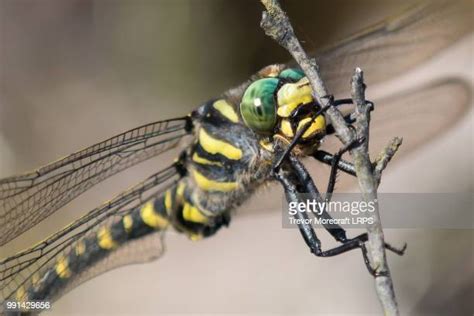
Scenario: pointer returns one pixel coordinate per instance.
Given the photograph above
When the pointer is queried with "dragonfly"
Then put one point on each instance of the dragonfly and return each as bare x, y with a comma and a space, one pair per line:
232, 143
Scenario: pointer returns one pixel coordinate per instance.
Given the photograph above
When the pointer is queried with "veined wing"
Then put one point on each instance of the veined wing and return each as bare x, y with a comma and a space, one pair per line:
27, 199
393, 46
417, 115
38, 266
390, 47
386, 50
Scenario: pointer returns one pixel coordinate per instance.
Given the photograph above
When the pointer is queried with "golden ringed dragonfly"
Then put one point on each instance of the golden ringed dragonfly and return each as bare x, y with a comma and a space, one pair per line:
233, 142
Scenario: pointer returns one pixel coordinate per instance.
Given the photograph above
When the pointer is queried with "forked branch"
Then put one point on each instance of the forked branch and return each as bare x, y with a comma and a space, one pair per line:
277, 25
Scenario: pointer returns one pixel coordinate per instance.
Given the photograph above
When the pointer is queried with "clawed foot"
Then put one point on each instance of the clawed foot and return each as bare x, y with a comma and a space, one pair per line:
374, 271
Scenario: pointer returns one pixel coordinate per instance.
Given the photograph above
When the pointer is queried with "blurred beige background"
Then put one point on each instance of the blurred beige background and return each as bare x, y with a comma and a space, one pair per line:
75, 72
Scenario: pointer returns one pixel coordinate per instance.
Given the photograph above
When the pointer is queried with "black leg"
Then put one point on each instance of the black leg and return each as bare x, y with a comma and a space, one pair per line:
307, 186
349, 118
361, 239
306, 230
334, 166
327, 158
294, 180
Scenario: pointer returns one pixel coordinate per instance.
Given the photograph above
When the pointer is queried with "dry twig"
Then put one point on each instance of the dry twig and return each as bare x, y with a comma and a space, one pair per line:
277, 25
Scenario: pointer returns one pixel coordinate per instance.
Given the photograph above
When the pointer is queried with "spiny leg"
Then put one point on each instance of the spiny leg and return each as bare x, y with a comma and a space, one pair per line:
328, 158
306, 230
349, 118
309, 235
361, 239
334, 166
307, 186
304, 225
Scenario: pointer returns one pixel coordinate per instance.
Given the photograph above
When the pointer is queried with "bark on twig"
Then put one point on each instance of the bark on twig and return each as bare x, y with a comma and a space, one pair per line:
368, 186
385, 156
277, 25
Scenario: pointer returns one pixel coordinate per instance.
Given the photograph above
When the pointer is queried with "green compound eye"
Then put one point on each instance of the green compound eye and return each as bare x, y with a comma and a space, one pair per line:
258, 106
291, 74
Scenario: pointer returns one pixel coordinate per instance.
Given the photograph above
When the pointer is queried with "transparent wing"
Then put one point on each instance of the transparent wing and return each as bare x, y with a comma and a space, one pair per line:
19, 270
391, 47
145, 249
417, 115
388, 49
28, 199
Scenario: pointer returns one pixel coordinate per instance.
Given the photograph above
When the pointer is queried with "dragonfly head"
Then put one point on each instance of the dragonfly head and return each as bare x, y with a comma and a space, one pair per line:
279, 106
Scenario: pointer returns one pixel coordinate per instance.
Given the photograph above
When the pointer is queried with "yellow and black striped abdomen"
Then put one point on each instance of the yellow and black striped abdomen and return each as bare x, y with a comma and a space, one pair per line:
84, 253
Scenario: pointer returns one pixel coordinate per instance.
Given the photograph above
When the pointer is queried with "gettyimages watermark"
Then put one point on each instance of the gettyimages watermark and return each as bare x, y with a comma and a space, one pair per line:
356, 212
398, 210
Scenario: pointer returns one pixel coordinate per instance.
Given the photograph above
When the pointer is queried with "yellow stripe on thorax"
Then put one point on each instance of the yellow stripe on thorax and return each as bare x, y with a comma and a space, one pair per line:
204, 161
211, 185
62, 268
152, 218
104, 238
192, 214
227, 110
216, 146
